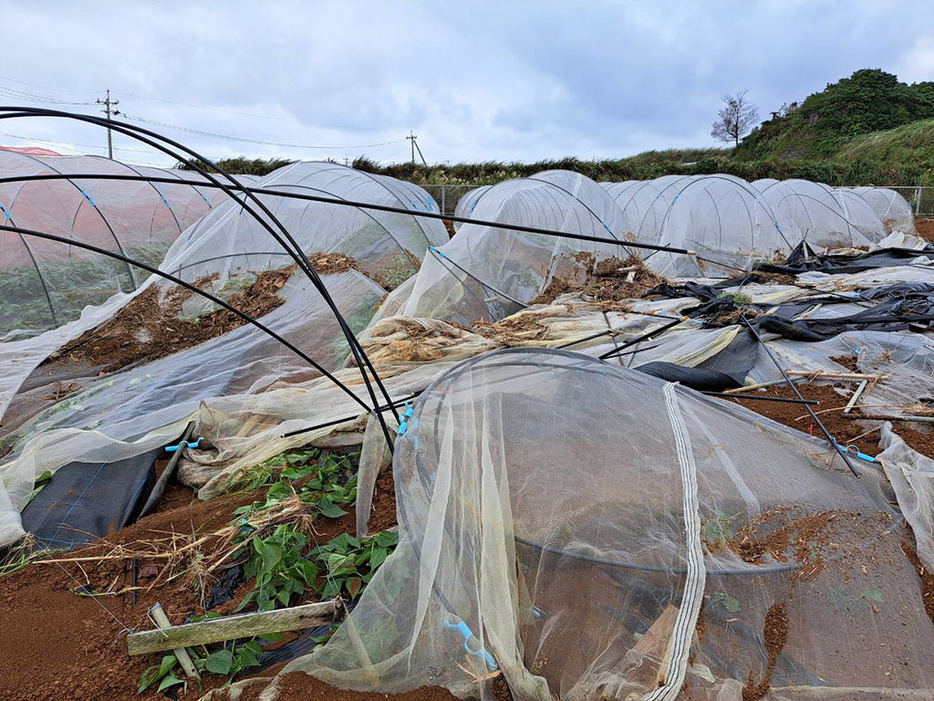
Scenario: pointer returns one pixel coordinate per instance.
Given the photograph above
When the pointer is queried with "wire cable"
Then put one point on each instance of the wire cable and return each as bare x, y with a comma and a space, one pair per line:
227, 137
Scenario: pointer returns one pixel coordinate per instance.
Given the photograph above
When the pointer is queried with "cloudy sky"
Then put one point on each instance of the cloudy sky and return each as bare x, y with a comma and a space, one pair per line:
505, 80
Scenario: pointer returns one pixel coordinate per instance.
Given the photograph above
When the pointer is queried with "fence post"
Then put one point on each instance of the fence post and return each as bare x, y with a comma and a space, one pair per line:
443, 192
918, 201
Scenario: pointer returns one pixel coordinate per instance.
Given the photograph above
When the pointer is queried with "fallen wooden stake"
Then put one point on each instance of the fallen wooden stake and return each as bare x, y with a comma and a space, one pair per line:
824, 374
890, 417
856, 395
761, 385
243, 625
181, 654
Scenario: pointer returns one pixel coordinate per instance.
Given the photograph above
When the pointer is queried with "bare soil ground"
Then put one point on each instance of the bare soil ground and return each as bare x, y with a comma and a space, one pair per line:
60, 642
925, 228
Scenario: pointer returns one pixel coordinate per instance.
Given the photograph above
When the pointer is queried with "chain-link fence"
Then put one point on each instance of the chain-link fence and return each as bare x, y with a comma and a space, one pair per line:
920, 197
447, 196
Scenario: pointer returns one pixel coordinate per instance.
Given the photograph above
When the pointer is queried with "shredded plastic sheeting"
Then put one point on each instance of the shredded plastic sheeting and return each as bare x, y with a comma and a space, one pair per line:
46, 284
912, 477
136, 409
543, 529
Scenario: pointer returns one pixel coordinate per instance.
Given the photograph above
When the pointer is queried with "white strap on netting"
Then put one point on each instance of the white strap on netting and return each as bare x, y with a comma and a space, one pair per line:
680, 645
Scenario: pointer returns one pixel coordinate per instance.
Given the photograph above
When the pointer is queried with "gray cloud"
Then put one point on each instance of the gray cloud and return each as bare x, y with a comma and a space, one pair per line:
477, 80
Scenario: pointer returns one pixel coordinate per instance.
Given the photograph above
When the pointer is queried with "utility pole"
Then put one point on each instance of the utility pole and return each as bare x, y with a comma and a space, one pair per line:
413, 137
108, 110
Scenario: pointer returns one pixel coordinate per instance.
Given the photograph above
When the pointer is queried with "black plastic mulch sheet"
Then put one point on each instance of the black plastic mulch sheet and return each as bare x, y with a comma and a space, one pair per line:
84, 501
904, 306
725, 370
803, 259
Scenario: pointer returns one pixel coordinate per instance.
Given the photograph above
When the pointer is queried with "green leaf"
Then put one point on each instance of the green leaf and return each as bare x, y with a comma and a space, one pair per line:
378, 557
270, 553
309, 572
246, 601
219, 662
329, 509
728, 602
247, 656
170, 681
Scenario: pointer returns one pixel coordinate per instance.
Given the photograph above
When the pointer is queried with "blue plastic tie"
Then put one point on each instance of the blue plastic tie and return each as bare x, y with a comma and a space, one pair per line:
88, 198
183, 444
467, 634
436, 250
856, 451
857, 350
404, 417
5, 213
166, 201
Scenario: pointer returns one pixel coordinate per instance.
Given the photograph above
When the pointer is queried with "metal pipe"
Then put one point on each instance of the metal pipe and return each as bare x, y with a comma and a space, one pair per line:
794, 388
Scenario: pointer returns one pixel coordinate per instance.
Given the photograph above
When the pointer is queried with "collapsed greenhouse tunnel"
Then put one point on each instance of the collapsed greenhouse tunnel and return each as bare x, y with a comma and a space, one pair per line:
475, 471
486, 272
53, 283
143, 404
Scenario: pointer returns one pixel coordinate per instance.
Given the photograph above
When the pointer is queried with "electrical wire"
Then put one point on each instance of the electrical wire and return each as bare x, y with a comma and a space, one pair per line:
345, 127
46, 87
72, 144
227, 137
32, 97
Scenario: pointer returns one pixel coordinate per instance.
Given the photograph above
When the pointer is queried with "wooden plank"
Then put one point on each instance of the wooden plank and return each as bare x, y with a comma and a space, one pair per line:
819, 374
656, 639
761, 385
229, 627
855, 398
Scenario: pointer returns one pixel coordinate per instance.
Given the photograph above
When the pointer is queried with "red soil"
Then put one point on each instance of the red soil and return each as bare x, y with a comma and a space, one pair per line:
57, 645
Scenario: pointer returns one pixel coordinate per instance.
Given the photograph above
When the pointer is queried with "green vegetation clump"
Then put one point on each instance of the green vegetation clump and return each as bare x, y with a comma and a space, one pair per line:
868, 101
241, 165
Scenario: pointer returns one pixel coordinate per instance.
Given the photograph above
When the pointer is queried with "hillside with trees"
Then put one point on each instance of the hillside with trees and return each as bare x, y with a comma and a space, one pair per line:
870, 100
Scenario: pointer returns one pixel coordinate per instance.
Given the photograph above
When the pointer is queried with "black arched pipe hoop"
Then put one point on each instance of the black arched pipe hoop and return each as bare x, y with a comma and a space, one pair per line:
146, 136
188, 286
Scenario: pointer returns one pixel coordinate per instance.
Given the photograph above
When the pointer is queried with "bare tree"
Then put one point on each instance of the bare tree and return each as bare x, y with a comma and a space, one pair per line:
734, 120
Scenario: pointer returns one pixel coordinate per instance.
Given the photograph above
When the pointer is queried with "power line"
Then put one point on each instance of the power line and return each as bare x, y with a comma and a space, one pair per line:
347, 127
46, 87
42, 99
258, 116
227, 137
72, 145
